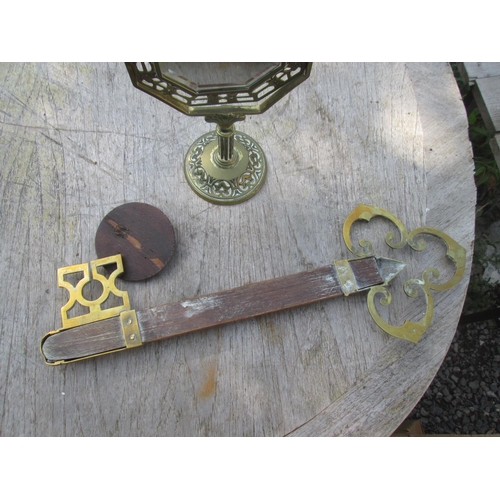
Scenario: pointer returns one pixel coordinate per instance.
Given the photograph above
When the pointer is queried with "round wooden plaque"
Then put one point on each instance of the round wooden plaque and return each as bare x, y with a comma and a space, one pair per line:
142, 234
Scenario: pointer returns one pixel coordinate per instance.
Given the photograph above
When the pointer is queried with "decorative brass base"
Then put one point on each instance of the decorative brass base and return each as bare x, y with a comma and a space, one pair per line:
210, 179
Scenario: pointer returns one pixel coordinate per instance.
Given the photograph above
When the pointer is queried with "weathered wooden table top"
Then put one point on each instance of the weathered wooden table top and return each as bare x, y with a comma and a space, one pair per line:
77, 140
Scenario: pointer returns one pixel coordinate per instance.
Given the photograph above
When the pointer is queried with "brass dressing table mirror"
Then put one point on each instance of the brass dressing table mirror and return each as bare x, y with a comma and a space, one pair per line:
224, 166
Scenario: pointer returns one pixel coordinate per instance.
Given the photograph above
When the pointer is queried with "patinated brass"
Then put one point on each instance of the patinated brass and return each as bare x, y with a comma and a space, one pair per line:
217, 99
130, 329
90, 272
411, 331
226, 166
388, 268
128, 318
218, 184
346, 277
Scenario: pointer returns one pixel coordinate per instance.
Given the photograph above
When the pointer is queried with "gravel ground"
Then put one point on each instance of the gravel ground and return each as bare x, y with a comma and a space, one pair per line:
464, 397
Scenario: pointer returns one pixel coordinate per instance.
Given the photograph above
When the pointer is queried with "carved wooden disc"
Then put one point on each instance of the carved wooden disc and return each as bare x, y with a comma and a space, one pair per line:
142, 234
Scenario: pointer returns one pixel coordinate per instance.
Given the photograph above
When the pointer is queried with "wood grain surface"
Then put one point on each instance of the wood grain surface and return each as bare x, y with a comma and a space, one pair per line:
488, 99
77, 140
472, 71
486, 92
485, 81
141, 234
211, 310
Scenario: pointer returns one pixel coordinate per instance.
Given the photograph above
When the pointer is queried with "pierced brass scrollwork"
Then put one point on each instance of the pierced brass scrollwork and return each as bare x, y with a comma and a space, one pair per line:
411, 331
97, 311
90, 272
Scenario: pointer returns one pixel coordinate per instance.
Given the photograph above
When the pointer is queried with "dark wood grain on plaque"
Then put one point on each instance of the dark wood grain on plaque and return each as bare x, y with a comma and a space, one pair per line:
142, 234
210, 310
366, 272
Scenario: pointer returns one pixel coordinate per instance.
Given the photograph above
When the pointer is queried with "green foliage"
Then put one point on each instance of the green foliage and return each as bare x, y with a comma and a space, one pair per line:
482, 295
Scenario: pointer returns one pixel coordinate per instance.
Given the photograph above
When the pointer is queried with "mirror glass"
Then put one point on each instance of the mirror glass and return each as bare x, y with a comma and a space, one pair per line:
203, 75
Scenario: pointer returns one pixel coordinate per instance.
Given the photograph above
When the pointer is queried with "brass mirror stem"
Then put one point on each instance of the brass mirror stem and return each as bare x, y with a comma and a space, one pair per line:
225, 157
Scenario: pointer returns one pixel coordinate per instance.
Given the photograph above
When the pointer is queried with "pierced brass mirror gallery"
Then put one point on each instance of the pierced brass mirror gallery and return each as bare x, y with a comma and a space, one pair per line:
102, 331
224, 166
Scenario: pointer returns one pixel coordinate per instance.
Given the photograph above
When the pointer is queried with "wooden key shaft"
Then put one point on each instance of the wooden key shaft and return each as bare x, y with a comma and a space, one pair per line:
184, 316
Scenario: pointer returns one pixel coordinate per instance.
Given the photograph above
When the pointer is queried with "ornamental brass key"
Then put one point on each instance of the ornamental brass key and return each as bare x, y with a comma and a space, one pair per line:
105, 330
